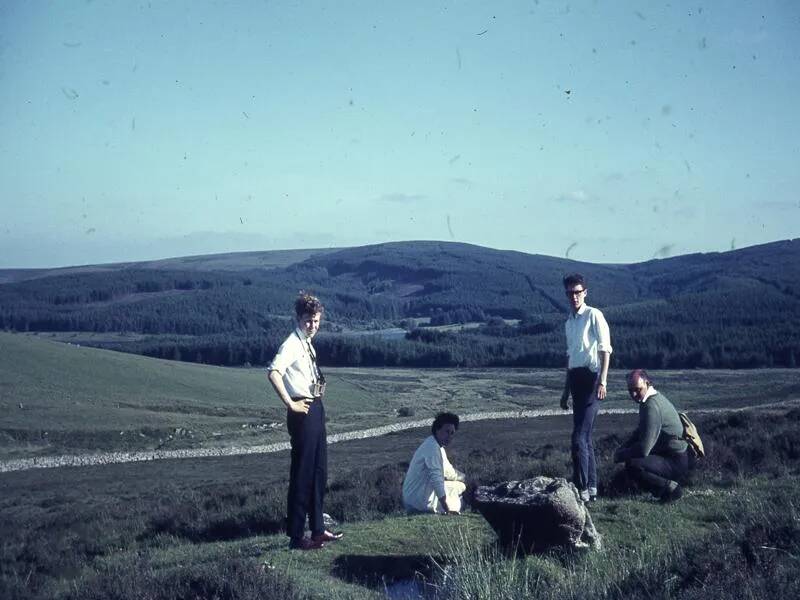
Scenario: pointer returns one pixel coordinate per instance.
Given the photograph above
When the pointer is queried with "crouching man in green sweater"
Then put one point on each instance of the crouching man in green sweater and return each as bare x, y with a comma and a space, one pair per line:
655, 456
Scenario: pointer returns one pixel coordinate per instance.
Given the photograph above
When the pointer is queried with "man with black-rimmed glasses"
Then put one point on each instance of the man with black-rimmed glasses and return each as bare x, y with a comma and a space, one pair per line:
588, 357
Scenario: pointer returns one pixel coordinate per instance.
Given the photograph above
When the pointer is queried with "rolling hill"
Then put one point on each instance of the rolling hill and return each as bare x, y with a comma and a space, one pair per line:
727, 309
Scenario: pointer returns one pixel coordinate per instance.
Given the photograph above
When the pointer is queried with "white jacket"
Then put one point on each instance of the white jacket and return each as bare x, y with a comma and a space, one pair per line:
427, 473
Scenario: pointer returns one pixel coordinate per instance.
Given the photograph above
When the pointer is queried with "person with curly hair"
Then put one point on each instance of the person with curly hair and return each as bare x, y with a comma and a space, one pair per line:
300, 385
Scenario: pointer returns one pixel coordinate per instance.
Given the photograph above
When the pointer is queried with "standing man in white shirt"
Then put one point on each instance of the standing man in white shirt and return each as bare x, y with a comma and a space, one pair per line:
300, 385
431, 483
588, 356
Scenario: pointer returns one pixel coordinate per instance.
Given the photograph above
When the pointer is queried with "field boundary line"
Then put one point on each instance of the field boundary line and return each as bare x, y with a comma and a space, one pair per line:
108, 458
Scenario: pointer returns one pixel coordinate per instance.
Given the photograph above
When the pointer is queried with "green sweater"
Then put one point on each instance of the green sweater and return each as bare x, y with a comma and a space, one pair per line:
660, 430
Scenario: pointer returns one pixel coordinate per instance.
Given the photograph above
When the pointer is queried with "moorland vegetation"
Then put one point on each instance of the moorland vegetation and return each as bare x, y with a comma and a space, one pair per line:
212, 529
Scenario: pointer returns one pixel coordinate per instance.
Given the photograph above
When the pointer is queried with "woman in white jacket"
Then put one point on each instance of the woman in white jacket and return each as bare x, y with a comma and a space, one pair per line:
432, 484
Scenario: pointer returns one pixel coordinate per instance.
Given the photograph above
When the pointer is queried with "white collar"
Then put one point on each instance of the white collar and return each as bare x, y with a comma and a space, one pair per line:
301, 335
651, 391
579, 312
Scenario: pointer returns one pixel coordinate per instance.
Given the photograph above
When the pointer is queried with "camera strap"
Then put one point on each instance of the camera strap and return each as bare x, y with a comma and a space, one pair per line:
315, 370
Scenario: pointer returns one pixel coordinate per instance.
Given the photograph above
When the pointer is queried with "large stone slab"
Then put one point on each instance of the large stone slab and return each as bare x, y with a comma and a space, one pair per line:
532, 515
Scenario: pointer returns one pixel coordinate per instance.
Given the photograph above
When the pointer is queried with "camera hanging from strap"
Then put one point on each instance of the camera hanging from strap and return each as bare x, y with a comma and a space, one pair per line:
318, 386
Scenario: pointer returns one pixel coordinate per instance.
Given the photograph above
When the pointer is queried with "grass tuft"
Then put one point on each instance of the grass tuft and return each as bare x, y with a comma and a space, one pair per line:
226, 579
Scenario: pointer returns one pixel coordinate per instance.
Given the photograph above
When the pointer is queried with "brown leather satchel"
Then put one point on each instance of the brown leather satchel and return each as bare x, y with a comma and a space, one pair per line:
691, 435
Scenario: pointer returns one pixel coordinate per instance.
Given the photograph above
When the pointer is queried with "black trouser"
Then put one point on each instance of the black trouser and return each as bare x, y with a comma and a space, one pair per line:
308, 474
585, 406
655, 471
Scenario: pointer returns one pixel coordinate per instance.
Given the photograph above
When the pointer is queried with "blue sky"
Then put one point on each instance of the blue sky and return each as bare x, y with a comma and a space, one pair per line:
603, 131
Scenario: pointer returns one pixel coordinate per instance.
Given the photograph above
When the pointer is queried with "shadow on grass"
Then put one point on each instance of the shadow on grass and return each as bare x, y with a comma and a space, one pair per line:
379, 570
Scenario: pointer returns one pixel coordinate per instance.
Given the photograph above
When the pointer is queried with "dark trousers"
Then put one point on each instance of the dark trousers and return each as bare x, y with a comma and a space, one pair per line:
308, 474
655, 471
584, 410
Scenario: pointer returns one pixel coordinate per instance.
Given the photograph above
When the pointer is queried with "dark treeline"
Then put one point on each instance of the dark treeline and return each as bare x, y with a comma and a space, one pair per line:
488, 346
652, 339
166, 302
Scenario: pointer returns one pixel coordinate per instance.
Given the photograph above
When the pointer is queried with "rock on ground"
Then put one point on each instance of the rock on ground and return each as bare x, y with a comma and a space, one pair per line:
536, 514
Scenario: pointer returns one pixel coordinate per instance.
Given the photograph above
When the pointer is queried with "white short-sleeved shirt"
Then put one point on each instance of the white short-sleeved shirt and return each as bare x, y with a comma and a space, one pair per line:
587, 334
295, 362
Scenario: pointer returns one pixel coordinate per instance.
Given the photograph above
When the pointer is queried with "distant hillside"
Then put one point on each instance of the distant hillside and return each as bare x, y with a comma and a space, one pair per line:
446, 273
726, 309
232, 261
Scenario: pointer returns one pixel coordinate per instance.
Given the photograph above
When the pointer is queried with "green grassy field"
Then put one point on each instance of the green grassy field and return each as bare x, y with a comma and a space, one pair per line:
211, 528
58, 398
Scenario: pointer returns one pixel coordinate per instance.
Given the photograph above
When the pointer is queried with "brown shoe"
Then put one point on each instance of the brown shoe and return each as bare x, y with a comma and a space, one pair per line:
327, 536
306, 544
